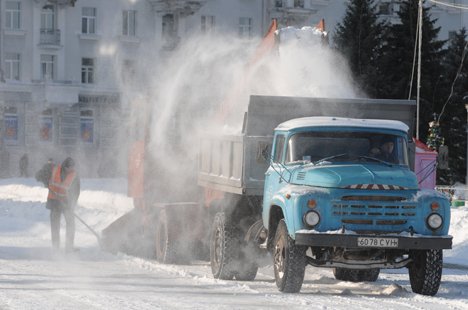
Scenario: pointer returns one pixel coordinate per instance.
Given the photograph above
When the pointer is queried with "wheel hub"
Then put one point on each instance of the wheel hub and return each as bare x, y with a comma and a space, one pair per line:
279, 257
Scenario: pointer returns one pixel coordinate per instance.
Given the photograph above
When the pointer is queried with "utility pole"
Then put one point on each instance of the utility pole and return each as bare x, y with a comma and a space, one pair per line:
420, 15
466, 177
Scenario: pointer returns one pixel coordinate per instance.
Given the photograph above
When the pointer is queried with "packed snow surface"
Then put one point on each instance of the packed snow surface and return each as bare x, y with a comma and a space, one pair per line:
32, 276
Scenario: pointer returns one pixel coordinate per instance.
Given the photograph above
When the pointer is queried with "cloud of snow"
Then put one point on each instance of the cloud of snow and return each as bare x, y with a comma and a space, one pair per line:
203, 86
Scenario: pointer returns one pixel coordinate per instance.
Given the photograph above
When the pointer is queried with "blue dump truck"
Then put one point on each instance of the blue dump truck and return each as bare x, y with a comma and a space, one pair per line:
333, 189
306, 181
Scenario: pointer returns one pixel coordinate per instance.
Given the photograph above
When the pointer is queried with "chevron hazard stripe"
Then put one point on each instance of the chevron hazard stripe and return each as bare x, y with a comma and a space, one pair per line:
376, 187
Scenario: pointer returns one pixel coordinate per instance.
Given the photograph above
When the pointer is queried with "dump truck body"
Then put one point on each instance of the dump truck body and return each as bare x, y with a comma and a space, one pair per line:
370, 213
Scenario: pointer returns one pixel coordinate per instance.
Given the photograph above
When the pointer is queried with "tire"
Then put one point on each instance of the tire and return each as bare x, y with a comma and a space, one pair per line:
425, 271
224, 248
289, 261
166, 240
356, 275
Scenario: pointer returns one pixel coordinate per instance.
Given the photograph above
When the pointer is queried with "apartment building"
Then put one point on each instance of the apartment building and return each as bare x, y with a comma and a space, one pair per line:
68, 67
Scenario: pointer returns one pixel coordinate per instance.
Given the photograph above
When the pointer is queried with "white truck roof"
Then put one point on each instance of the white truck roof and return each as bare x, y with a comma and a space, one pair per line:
321, 121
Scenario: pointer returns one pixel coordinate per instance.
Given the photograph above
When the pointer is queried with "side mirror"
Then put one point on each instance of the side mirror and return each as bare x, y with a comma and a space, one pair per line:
263, 151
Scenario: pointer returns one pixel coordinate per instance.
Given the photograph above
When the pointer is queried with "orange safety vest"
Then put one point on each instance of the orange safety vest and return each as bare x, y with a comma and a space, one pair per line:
58, 190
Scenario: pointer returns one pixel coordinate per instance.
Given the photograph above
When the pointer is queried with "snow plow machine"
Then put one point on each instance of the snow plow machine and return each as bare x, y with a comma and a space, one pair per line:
163, 206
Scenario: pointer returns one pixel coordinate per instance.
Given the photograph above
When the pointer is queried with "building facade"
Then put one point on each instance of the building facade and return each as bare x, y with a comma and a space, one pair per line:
67, 67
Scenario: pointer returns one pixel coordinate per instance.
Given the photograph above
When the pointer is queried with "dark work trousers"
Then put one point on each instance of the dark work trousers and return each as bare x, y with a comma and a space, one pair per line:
56, 211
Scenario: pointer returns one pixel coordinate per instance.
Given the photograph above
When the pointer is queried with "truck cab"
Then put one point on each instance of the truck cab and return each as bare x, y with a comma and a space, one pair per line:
339, 193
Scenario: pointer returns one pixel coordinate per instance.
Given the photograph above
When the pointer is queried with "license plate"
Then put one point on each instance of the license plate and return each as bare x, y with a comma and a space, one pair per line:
377, 242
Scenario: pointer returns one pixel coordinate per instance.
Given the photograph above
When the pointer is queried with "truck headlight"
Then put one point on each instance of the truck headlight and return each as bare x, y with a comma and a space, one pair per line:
311, 218
434, 221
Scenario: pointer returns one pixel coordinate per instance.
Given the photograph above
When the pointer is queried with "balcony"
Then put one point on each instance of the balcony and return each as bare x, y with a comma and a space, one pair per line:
180, 7
297, 12
49, 37
63, 2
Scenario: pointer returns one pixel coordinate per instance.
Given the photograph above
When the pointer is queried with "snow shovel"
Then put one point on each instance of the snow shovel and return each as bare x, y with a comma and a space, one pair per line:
98, 237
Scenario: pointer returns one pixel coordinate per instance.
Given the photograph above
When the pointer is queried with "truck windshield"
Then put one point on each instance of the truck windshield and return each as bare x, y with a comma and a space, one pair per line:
326, 147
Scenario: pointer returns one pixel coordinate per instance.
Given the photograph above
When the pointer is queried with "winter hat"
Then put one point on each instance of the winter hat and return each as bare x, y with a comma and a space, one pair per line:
68, 163
386, 139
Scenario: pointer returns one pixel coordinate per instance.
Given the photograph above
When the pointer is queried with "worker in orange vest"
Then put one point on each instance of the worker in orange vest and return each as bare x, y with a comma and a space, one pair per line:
64, 189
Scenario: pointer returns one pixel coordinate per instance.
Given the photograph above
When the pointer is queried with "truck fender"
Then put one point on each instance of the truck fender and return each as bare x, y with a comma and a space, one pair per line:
279, 209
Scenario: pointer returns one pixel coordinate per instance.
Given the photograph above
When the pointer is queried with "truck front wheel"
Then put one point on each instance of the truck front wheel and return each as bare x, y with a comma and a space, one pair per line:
224, 248
425, 271
289, 261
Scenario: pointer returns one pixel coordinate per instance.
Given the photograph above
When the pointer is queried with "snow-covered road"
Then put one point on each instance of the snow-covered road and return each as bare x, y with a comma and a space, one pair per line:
32, 276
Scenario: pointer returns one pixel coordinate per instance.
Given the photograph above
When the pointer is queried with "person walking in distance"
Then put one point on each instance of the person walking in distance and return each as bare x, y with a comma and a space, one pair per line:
64, 190
23, 165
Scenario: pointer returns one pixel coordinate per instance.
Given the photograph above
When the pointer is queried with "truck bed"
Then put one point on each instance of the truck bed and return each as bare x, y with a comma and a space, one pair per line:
237, 163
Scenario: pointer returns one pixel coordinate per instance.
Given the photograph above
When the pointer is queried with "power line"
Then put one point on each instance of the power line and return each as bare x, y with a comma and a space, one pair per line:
460, 6
460, 68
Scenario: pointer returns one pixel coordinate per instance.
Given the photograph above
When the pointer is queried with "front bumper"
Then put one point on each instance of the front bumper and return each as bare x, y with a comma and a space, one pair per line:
354, 241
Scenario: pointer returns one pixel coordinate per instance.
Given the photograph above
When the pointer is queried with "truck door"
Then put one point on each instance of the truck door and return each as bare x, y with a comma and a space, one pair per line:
273, 176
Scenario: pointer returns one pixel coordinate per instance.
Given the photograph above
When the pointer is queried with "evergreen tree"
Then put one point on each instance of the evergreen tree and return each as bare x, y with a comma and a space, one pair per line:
397, 61
434, 138
451, 105
359, 37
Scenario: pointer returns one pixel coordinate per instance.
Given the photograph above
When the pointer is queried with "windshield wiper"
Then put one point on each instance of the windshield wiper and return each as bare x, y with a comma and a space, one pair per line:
296, 162
377, 160
328, 158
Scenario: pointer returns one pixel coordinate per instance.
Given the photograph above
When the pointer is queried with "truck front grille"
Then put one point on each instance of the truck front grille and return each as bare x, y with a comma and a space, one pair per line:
382, 211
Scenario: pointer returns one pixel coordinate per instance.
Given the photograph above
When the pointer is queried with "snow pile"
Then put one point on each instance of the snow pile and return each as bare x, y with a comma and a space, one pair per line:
92, 279
23, 212
458, 229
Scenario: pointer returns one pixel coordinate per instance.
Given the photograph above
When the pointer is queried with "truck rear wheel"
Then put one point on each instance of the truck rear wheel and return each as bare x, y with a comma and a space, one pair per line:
425, 272
167, 250
356, 275
289, 261
224, 248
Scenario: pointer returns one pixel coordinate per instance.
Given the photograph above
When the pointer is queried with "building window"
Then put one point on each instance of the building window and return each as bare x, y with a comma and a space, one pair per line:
279, 3
11, 125
12, 66
299, 3
245, 27
87, 70
452, 35
48, 17
87, 126
88, 20
168, 26
385, 9
48, 67
13, 15
128, 71
46, 124
207, 24
129, 23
